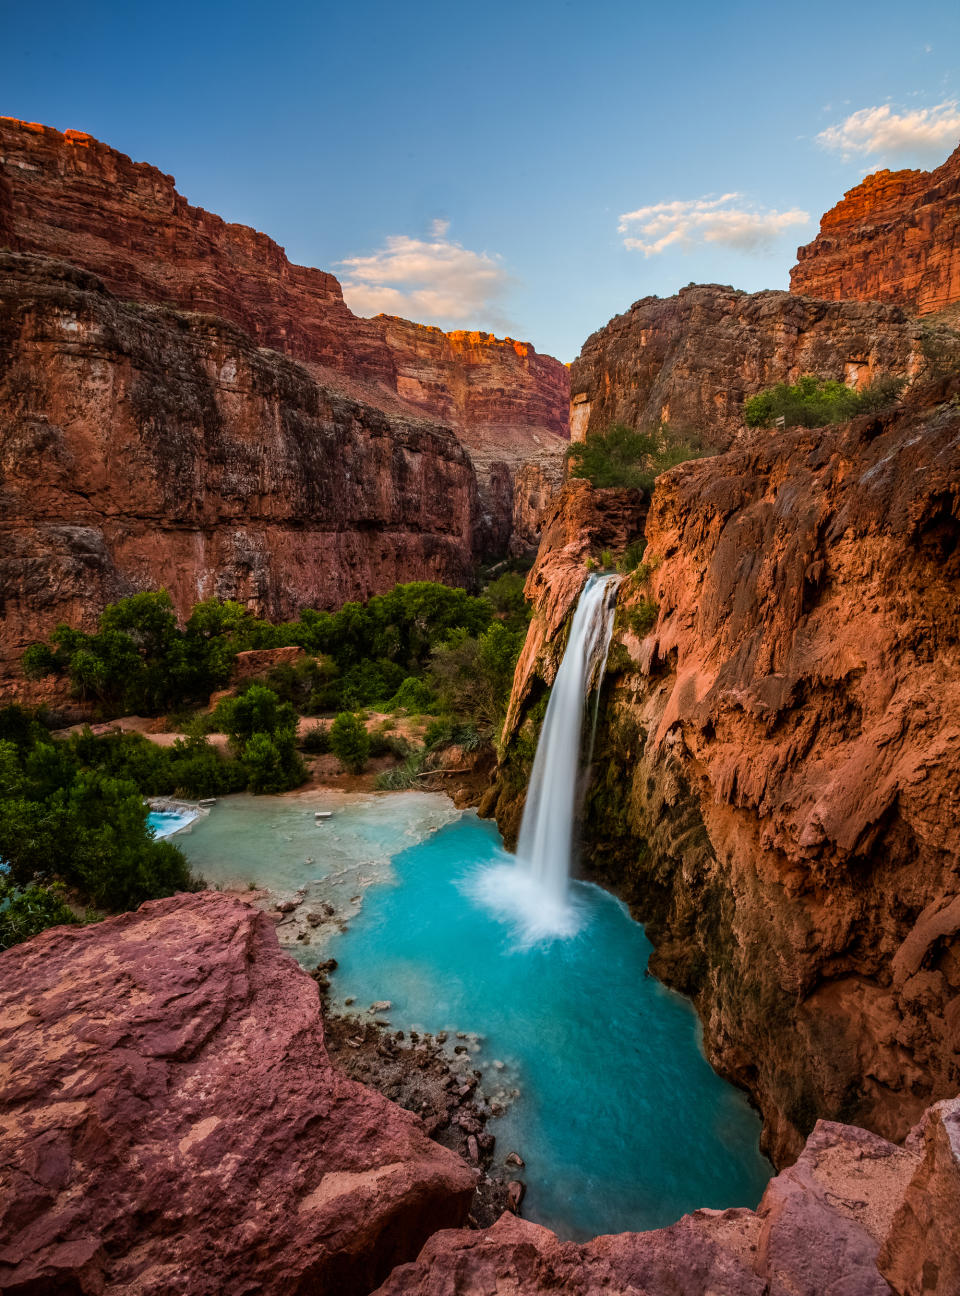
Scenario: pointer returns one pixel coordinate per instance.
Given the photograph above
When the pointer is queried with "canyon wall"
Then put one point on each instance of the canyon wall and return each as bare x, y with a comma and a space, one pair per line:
692, 360
146, 447
895, 237
73, 198
777, 764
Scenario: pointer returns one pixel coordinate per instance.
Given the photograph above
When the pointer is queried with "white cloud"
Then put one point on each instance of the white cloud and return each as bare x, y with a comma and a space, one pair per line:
728, 220
432, 280
921, 132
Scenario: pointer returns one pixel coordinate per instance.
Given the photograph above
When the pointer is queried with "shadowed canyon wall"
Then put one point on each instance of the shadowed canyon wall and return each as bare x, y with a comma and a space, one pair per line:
895, 237
146, 447
776, 780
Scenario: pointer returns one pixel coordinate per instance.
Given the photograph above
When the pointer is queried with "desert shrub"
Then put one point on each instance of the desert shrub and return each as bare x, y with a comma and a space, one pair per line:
316, 741
817, 402
939, 351
401, 776
624, 457
350, 742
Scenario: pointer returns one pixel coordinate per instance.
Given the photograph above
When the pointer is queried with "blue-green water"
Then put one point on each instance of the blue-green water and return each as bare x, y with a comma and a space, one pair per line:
620, 1120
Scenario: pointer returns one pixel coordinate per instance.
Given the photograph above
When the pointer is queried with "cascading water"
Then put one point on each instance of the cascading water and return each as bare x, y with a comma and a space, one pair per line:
535, 889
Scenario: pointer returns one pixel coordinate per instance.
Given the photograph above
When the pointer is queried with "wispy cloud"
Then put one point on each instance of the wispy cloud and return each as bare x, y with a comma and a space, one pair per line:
432, 280
927, 133
729, 220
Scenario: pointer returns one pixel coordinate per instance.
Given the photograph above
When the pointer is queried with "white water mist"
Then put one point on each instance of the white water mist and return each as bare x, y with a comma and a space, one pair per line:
535, 888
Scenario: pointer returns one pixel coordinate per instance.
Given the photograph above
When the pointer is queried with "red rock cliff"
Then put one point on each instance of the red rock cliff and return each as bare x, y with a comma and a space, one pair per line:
70, 196
777, 769
144, 447
895, 237
693, 359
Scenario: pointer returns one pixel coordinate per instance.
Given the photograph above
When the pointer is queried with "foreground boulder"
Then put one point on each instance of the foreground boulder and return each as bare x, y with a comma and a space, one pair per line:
171, 1121
852, 1213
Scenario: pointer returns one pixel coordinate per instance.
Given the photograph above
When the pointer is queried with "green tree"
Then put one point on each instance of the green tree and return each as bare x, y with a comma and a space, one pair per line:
624, 457
350, 742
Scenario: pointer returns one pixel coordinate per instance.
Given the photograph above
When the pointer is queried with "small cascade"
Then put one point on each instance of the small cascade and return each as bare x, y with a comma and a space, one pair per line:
536, 887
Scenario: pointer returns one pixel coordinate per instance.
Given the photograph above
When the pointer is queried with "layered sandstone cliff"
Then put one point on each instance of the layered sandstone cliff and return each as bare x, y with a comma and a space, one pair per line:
692, 360
71, 197
146, 447
778, 755
172, 1122
895, 237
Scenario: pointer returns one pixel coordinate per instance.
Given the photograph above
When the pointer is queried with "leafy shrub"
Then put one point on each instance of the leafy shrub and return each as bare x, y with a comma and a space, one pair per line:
624, 457
817, 402
414, 695
472, 676
350, 742
388, 744
28, 910
506, 597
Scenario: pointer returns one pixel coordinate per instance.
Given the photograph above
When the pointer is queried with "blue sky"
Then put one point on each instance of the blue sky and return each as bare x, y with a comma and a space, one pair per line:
470, 166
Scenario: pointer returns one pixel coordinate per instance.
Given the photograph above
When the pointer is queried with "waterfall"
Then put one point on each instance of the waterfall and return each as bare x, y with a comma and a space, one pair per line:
535, 887
545, 846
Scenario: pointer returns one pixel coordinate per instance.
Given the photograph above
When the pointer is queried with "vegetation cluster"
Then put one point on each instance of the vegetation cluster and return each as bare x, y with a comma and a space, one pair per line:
817, 402
74, 834
622, 456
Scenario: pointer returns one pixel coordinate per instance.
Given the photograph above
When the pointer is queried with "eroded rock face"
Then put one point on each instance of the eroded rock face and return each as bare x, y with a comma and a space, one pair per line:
144, 448
71, 197
820, 1228
776, 772
507, 404
171, 1121
693, 359
895, 237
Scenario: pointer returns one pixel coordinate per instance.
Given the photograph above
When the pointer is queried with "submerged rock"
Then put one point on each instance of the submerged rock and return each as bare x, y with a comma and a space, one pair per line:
172, 1122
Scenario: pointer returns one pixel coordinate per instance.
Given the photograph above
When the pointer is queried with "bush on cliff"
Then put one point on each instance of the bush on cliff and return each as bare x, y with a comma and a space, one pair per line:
624, 457
817, 402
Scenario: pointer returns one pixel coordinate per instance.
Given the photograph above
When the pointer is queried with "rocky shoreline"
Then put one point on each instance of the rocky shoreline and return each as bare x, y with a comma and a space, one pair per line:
414, 1070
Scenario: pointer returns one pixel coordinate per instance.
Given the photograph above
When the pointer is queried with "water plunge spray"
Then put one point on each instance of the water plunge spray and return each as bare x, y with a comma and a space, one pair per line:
535, 890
